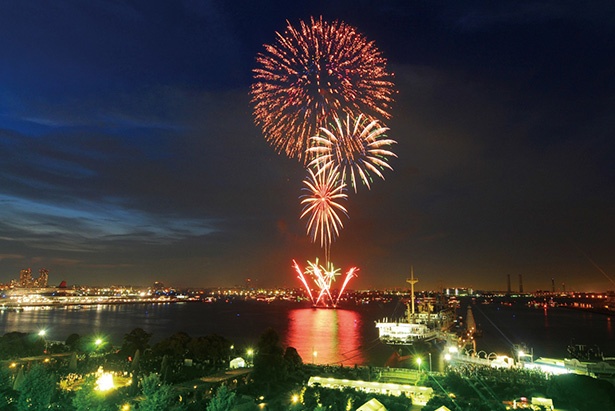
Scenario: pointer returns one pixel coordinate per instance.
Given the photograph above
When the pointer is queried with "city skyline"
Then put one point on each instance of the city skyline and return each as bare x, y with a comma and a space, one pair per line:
129, 149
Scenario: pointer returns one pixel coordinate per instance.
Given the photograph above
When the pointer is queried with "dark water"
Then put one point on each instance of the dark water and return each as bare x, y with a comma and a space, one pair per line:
341, 336
347, 335
547, 331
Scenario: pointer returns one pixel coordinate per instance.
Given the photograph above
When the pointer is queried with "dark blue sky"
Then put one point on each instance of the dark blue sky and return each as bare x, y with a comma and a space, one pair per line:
128, 153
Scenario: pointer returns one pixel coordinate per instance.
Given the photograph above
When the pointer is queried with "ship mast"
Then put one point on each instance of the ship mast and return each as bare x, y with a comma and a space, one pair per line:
411, 281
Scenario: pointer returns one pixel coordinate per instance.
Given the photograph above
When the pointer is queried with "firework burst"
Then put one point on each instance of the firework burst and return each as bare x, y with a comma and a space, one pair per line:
358, 147
321, 205
312, 72
323, 278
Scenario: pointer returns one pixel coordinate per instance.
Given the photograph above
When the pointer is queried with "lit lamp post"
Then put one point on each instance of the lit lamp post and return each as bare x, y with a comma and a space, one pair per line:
418, 363
250, 353
314, 354
98, 343
42, 334
429, 362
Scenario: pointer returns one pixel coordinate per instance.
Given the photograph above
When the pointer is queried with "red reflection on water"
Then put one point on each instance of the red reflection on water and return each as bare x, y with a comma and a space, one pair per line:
326, 336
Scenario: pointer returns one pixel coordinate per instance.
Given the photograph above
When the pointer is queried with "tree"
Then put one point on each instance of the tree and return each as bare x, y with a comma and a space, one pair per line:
73, 342
292, 359
16, 344
582, 392
212, 348
175, 346
135, 340
72, 363
269, 365
224, 400
7, 394
158, 396
36, 390
88, 398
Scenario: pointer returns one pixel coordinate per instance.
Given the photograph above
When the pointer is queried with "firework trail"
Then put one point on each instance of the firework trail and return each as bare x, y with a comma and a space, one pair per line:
323, 278
321, 206
312, 72
358, 147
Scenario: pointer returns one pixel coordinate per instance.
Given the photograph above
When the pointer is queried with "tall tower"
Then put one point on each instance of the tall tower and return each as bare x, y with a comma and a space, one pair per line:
25, 277
43, 278
520, 284
553, 285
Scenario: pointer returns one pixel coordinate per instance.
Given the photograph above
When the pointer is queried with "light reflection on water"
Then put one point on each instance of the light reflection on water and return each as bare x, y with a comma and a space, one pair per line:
333, 334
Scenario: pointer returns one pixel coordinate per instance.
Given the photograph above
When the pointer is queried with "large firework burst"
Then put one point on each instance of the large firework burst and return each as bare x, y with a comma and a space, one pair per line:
312, 72
321, 205
358, 147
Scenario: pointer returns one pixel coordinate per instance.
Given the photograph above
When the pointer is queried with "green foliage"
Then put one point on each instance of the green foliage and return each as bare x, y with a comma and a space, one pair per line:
438, 401
211, 348
293, 360
135, 340
73, 342
7, 394
582, 392
37, 389
16, 345
88, 398
269, 365
176, 346
158, 396
224, 400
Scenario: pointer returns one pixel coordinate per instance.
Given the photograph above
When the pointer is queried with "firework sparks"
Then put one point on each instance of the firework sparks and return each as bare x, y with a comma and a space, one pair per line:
323, 279
359, 148
321, 205
312, 72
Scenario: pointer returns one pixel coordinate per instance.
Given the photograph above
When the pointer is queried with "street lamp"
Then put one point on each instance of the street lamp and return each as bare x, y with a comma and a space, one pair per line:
429, 362
250, 353
314, 354
42, 334
418, 362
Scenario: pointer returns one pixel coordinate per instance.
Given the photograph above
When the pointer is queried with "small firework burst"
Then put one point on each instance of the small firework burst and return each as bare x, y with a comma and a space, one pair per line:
358, 147
321, 205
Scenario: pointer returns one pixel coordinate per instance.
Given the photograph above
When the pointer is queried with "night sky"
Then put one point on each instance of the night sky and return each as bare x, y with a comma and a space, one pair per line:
128, 151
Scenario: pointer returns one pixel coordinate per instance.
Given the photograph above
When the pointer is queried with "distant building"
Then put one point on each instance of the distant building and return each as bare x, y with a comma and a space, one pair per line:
27, 281
42, 279
458, 292
25, 278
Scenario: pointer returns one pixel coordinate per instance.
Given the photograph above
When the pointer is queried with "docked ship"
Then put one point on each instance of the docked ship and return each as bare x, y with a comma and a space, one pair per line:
425, 323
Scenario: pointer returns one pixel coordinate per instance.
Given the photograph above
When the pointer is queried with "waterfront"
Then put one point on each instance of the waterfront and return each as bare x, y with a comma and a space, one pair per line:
344, 336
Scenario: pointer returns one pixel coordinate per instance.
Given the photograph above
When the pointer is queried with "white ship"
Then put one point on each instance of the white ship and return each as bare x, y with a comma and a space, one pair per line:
425, 324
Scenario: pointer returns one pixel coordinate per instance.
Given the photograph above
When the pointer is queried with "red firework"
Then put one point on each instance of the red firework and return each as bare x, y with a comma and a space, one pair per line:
312, 73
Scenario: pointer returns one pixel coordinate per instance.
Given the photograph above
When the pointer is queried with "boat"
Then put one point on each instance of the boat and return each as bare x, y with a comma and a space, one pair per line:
427, 323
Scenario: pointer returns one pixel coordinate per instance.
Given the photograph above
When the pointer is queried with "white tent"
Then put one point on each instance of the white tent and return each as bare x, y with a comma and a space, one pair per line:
372, 405
237, 363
